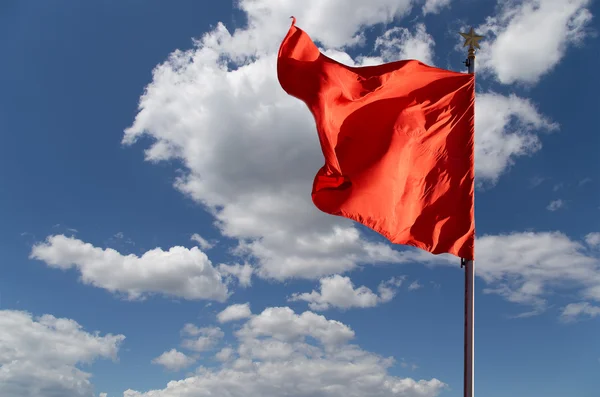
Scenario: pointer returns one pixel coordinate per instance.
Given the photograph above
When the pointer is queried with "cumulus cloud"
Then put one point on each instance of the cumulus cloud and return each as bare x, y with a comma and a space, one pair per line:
337, 291
174, 360
527, 38
303, 354
40, 356
505, 128
234, 312
283, 324
178, 272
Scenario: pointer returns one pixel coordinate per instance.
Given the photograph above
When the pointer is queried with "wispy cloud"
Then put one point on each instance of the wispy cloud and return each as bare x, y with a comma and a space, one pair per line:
555, 205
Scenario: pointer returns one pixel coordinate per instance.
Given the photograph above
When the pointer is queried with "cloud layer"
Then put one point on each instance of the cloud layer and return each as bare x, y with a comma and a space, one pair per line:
275, 352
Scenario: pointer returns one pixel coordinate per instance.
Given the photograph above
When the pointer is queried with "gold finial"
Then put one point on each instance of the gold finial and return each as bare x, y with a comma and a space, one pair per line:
471, 39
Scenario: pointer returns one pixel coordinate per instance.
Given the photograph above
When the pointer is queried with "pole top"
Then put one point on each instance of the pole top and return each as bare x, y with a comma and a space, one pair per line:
471, 39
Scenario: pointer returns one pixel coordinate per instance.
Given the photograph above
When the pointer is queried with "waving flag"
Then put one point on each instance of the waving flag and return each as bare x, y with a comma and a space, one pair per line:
398, 142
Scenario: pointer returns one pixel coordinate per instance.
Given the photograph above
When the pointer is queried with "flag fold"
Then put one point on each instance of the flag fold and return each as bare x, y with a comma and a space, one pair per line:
398, 143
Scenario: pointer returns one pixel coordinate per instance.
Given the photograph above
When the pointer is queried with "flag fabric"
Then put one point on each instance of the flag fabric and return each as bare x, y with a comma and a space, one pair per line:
398, 142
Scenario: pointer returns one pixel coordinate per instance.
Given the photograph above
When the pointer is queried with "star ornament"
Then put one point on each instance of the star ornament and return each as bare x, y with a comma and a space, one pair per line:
471, 39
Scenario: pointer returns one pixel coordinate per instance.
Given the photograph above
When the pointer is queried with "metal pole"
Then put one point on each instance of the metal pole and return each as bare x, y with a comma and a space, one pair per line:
469, 332
471, 40
471, 61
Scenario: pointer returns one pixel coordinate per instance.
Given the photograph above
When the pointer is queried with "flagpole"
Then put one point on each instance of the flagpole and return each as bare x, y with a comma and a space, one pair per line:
469, 332
471, 40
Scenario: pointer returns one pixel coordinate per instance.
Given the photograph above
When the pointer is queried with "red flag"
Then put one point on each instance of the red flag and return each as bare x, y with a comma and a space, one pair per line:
398, 142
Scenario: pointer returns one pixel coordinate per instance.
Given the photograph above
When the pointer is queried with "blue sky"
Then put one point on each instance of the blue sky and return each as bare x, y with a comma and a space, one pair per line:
113, 157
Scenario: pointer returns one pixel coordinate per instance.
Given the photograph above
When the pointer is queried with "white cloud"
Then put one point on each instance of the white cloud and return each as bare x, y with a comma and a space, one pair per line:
205, 338
528, 38
593, 239
415, 286
398, 44
202, 242
174, 360
40, 357
574, 310
434, 6
504, 130
283, 324
338, 291
178, 272
234, 312
555, 205
276, 352
522, 267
